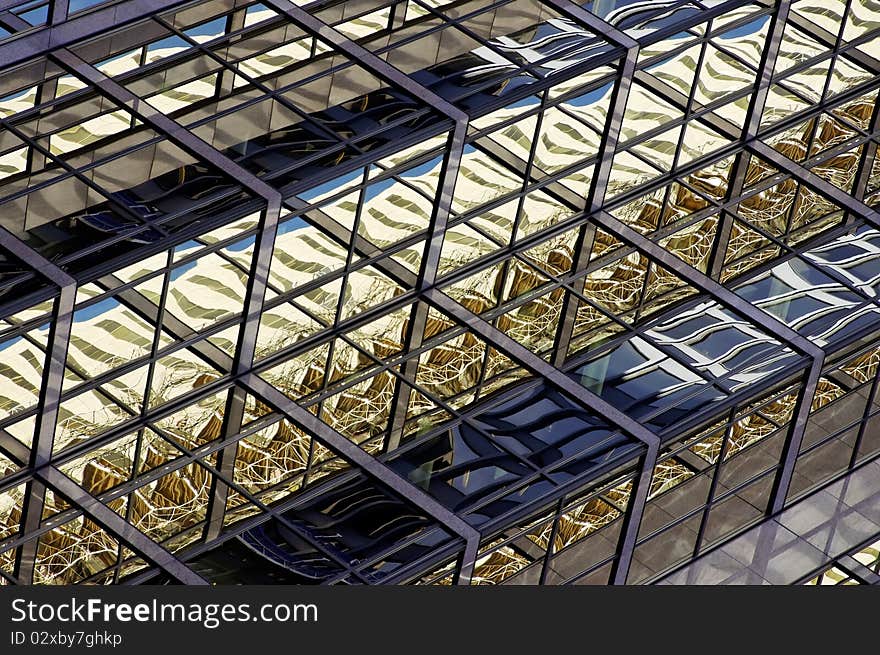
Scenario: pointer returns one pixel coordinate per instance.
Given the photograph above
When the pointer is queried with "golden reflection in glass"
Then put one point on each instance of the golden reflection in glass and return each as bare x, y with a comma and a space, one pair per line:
864, 367
72, 552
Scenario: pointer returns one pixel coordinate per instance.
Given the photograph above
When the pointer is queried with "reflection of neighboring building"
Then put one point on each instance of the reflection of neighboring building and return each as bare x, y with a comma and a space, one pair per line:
347, 330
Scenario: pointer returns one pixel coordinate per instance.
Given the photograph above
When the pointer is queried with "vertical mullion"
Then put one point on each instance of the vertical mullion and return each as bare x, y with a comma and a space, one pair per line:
47, 419
58, 10
245, 352
688, 110
728, 430
794, 439
550, 549
596, 197
750, 131
632, 520
427, 276
867, 162
874, 387
226, 77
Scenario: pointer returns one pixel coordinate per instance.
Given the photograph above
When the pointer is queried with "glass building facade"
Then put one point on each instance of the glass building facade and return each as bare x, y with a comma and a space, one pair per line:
428, 292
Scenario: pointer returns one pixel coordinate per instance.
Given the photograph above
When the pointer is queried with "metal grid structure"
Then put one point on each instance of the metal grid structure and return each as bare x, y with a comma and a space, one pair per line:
397, 291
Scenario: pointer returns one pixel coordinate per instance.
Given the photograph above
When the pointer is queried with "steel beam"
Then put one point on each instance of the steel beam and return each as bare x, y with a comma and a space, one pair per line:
80, 28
